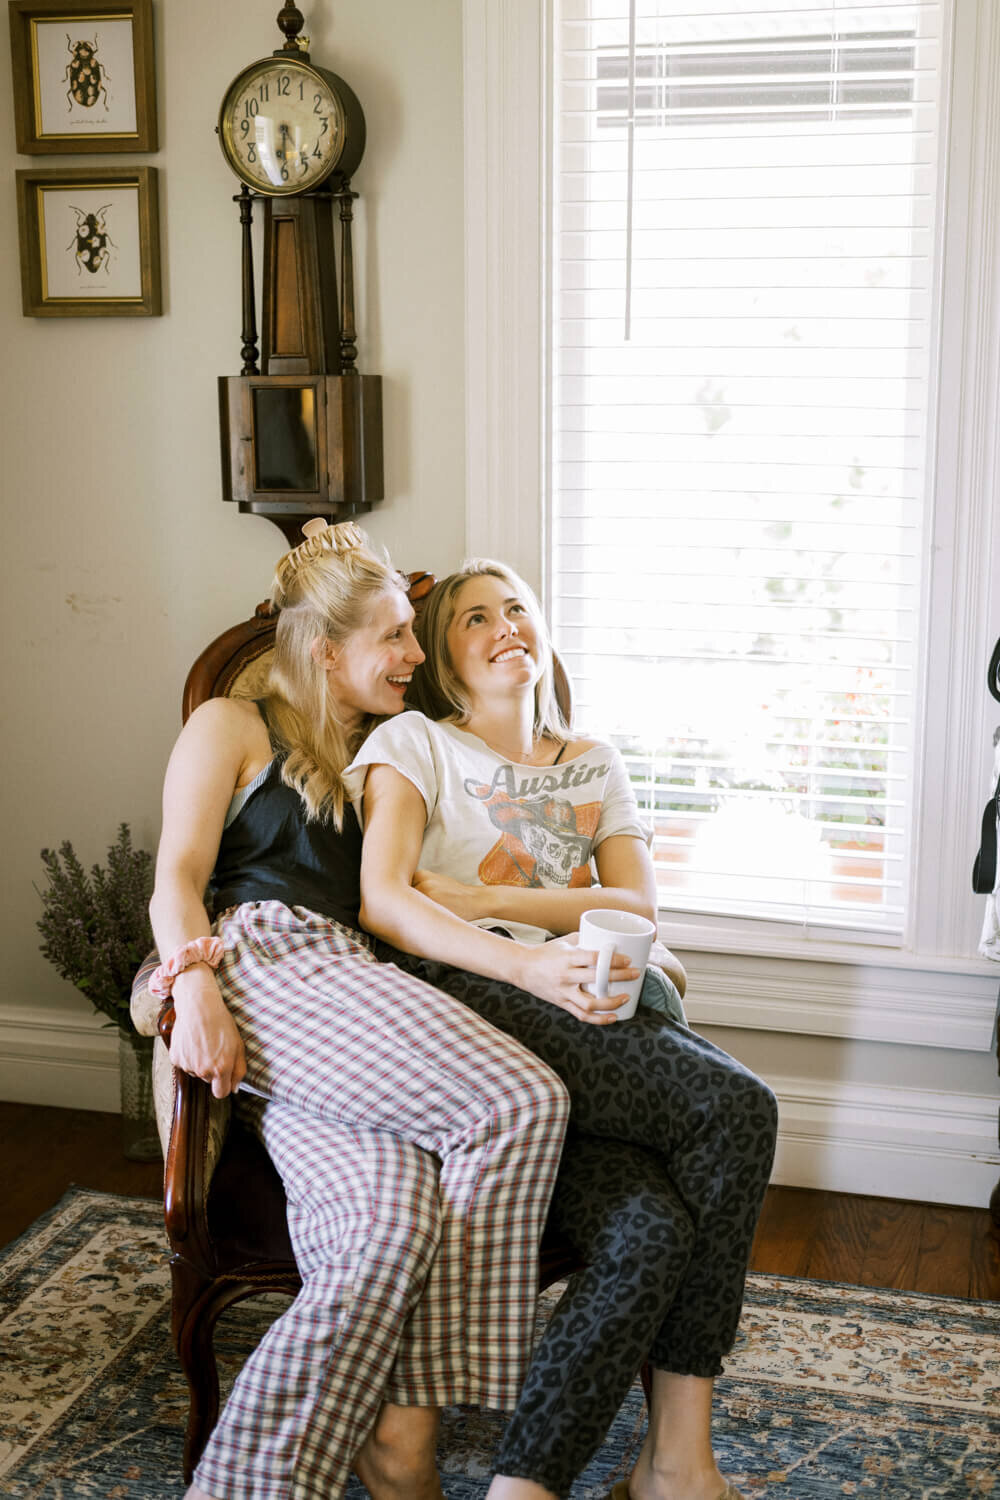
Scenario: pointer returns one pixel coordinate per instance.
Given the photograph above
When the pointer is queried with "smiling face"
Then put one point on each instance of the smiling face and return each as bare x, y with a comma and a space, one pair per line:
492, 639
369, 671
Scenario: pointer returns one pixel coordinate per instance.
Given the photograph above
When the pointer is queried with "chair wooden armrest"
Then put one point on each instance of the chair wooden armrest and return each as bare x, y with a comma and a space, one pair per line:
186, 1174
225, 1213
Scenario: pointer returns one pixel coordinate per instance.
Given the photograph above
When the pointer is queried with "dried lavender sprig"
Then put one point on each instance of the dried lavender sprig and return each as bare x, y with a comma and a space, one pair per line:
95, 928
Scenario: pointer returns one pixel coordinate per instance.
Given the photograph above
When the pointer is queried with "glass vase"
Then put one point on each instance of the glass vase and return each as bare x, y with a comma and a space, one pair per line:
140, 1140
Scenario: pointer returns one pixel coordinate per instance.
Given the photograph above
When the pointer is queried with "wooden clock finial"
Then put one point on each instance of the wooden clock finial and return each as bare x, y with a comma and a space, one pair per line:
290, 23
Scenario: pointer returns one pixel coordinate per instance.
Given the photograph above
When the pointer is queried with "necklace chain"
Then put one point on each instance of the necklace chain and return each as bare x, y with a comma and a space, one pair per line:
521, 758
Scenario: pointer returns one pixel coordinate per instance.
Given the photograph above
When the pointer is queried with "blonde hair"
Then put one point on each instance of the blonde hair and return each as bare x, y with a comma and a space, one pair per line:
440, 692
325, 589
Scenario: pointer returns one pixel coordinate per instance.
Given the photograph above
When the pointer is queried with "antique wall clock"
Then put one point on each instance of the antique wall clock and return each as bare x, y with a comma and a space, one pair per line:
301, 427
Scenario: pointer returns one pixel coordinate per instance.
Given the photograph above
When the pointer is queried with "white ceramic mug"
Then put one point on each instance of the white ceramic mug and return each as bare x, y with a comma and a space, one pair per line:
607, 932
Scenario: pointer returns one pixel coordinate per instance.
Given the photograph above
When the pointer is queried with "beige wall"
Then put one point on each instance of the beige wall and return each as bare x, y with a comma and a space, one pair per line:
121, 561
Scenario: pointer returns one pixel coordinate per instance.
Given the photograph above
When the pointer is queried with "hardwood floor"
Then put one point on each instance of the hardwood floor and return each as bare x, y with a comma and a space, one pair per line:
827, 1236
916, 1247
45, 1151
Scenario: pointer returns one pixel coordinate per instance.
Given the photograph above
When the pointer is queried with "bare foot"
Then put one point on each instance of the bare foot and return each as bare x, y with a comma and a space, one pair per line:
649, 1483
504, 1488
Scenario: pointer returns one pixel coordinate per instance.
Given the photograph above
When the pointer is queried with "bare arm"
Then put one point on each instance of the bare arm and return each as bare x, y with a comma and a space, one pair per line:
207, 763
628, 883
624, 869
395, 818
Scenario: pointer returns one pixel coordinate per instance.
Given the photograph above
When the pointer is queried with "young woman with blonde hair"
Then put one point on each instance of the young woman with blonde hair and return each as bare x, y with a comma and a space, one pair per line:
417, 1145
671, 1140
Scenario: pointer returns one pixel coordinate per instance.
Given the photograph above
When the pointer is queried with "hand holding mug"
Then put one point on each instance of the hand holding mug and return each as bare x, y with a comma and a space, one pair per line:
606, 932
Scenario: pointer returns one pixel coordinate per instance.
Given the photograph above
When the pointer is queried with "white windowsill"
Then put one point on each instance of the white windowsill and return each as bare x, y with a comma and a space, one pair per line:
680, 932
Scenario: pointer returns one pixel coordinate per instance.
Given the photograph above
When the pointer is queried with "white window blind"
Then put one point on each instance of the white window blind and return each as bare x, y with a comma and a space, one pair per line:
741, 264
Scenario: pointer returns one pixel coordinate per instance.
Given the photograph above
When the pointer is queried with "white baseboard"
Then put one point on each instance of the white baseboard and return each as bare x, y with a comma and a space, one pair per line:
921, 1145
61, 1057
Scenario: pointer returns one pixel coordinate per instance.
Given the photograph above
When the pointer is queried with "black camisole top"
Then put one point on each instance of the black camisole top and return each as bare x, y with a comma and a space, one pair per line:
271, 853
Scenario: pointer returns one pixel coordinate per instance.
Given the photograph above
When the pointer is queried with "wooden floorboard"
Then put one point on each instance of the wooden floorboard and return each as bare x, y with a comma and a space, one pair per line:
784, 1240
45, 1151
944, 1259
984, 1280
893, 1249
950, 1252
840, 1240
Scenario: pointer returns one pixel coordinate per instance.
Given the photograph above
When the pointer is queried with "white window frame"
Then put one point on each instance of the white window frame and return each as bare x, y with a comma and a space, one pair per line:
931, 990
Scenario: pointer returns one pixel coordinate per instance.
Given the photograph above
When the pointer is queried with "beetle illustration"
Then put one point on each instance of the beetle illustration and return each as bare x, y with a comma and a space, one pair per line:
92, 240
87, 77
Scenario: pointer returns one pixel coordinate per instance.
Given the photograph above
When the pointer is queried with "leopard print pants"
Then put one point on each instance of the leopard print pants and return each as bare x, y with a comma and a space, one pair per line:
659, 1189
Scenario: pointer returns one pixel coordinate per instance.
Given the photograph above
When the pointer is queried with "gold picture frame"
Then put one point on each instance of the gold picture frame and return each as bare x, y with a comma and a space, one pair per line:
83, 76
90, 242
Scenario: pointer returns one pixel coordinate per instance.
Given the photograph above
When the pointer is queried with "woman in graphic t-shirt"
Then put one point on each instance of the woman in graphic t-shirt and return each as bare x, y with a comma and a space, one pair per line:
480, 826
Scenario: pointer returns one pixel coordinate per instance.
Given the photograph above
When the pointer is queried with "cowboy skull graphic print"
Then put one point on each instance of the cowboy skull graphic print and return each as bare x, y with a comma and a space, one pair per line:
544, 839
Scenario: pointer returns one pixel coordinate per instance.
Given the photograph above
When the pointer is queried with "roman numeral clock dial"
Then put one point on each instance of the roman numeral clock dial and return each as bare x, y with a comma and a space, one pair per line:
301, 426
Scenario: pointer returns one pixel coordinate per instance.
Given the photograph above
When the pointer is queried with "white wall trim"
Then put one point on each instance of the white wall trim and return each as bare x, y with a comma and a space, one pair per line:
920, 1145
59, 1057
914, 1006
505, 48
962, 605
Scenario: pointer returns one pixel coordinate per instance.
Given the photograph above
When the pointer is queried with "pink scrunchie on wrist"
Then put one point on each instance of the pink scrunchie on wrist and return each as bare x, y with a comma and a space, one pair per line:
203, 950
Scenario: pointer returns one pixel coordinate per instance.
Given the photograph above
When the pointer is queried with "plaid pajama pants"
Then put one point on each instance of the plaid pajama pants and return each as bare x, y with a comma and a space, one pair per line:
418, 1147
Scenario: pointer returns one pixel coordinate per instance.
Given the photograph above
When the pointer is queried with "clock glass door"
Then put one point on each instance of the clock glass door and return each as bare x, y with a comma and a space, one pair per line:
285, 438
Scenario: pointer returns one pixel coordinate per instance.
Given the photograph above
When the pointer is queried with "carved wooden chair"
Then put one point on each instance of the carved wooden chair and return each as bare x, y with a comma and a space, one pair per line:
224, 1203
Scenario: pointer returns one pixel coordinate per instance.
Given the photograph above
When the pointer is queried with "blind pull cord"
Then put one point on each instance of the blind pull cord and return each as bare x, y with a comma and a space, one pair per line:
631, 170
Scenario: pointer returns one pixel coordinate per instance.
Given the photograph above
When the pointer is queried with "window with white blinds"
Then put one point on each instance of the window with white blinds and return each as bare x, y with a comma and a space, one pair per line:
741, 276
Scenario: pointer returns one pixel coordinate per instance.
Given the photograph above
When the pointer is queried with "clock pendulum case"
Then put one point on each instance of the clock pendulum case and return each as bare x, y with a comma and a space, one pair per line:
301, 428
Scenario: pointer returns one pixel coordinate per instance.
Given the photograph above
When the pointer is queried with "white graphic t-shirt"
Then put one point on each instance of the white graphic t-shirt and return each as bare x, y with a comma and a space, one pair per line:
494, 822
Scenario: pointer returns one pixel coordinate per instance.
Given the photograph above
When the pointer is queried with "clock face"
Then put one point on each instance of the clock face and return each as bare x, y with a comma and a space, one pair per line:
281, 126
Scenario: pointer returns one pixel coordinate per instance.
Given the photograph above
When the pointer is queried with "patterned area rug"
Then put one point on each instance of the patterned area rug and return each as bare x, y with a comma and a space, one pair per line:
833, 1390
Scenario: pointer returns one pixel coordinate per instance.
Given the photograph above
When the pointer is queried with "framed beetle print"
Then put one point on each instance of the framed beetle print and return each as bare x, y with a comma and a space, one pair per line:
89, 242
84, 78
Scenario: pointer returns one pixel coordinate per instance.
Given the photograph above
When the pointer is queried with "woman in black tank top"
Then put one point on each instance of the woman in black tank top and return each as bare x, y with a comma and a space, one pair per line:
417, 1144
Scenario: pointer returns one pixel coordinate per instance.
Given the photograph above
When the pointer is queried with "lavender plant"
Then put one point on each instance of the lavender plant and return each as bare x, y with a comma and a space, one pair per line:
95, 928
